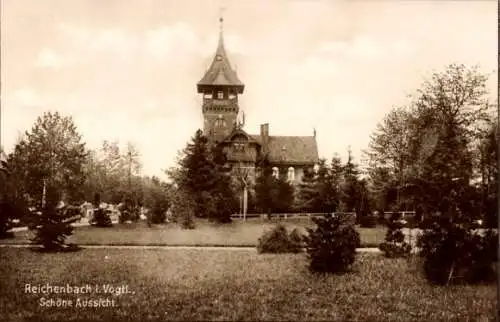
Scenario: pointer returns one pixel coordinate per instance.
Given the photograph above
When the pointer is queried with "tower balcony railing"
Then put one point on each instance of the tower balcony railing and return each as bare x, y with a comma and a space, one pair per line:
220, 102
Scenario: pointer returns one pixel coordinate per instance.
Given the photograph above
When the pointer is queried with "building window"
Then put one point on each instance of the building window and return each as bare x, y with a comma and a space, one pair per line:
220, 95
276, 172
220, 122
239, 147
291, 174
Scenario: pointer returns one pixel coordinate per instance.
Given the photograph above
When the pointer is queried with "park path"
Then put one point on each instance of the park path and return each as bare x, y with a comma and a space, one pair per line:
166, 247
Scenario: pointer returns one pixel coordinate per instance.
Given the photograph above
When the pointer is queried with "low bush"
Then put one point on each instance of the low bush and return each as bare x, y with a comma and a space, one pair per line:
368, 221
278, 240
158, 215
102, 218
454, 253
394, 245
332, 244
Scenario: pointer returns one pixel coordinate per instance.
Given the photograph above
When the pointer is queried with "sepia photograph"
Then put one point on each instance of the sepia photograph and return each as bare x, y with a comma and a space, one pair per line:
231, 160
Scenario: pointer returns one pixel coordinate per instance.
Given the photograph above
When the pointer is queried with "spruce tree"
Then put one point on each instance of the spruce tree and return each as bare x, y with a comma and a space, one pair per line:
394, 245
309, 193
266, 188
6, 208
332, 244
196, 173
284, 194
222, 194
350, 191
204, 174
53, 222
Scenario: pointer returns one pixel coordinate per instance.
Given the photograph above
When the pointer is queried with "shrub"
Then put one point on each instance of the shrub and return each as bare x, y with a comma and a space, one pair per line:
368, 221
102, 218
455, 253
395, 245
129, 211
184, 209
278, 240
331, 246
158, 214
5, 220
53, 224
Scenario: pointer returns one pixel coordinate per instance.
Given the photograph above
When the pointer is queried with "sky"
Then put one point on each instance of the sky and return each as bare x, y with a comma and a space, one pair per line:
127, 70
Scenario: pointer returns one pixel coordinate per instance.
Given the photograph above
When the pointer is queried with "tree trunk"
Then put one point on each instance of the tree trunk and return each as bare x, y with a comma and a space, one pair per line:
245, 202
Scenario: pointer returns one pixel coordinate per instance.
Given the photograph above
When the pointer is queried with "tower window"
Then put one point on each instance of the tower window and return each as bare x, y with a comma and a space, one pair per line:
220, 95
220, 121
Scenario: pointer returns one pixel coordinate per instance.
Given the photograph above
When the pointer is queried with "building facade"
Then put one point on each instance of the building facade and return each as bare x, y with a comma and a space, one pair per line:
220, 88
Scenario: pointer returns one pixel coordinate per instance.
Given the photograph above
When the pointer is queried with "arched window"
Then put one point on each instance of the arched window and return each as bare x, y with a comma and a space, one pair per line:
291, 174
276, 172
220, 121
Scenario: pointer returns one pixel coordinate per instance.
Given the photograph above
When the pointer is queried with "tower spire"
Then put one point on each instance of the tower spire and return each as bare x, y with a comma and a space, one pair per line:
221, 25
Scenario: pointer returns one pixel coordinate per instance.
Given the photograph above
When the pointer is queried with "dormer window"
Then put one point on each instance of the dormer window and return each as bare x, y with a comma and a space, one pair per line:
239, 147
291, 174
220, 95
276, 172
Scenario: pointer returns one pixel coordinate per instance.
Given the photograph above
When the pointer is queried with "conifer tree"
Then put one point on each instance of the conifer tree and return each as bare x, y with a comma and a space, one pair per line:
205, 175
350, 193
332, 244
264, 187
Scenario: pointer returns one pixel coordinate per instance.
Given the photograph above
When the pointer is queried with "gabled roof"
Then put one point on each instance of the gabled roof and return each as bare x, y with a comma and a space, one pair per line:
291, 149
239, 131
220, 72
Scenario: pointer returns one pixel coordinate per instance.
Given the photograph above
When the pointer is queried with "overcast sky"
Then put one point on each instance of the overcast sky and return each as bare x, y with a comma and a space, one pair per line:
127, 69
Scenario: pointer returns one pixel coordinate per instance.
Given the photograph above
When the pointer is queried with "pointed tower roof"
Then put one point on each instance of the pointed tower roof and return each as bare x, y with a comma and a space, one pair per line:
220, 72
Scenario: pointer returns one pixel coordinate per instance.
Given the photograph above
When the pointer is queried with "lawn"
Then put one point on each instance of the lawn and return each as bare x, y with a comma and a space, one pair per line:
231, 285
238, 233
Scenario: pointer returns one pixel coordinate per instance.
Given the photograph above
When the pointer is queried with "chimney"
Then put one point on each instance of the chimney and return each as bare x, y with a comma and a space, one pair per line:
264, 135
314, 132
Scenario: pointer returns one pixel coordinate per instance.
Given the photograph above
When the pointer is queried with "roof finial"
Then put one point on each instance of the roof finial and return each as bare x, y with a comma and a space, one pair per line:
221, 18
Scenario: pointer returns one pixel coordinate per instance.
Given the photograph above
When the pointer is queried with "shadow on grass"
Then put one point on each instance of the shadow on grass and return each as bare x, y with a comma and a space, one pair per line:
69, 248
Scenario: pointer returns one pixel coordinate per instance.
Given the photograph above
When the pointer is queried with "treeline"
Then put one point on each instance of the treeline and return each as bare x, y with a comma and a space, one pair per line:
52, 161
438, 155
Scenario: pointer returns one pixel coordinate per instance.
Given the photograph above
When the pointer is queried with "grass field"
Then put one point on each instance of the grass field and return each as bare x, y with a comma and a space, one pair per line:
232, 285
238, 233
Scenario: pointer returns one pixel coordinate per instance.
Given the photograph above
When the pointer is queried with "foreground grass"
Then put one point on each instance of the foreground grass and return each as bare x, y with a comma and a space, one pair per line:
233, 285
238, 233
